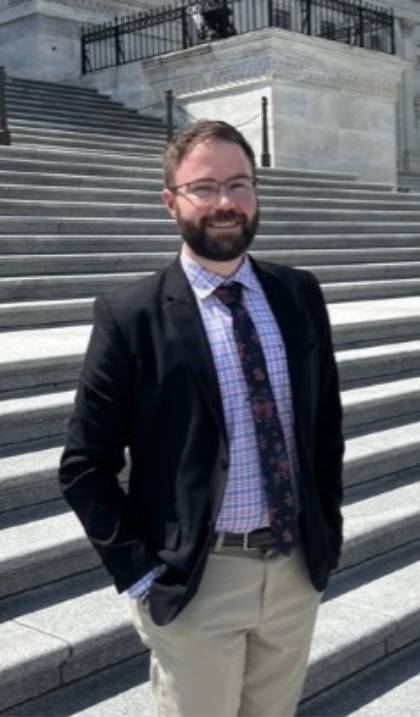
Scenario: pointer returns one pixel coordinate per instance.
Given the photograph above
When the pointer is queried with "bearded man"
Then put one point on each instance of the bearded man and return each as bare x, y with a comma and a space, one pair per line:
218, 376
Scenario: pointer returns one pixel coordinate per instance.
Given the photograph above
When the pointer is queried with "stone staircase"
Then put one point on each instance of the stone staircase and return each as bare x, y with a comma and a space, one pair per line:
80, 213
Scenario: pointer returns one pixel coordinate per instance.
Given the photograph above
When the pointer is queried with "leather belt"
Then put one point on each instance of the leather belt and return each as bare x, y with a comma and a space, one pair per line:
261, 539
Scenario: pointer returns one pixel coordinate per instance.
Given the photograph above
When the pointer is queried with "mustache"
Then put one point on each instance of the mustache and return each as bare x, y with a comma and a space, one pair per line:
229, 215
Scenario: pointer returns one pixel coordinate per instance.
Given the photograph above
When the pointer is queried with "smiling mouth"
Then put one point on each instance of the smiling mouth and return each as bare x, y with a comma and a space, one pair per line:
223, 225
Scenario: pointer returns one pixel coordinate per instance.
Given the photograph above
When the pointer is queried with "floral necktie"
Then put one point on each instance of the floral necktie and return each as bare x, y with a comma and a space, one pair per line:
274, 461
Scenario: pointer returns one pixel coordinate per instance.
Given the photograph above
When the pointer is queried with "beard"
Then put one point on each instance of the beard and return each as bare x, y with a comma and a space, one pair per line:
223, 245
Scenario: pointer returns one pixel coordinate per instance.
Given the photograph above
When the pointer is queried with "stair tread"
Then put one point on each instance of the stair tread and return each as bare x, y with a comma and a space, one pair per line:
396, 507
71, 340
39, 403
361, 448
43, 343
352, 627
351, 397
380, 391
391, 690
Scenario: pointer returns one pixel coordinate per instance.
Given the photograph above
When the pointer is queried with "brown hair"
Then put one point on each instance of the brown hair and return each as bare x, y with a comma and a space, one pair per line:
201, 131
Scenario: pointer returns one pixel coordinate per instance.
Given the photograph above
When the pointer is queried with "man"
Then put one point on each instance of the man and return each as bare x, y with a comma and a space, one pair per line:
218, 375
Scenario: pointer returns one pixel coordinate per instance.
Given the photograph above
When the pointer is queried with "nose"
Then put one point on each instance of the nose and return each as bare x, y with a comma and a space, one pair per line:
224, 198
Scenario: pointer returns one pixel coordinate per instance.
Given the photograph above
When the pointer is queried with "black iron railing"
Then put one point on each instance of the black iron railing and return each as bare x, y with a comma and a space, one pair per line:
4, 130
177, 27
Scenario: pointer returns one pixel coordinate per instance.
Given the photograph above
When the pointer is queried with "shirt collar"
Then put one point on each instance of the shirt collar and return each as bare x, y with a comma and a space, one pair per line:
204, 282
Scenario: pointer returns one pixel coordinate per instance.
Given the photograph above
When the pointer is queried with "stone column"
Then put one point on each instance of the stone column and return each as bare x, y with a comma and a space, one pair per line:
407, 133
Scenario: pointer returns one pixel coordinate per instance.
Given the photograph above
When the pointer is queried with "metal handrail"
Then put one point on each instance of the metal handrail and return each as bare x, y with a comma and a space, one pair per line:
4, 129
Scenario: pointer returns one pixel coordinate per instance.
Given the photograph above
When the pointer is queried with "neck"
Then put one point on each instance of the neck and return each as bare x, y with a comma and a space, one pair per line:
221, 268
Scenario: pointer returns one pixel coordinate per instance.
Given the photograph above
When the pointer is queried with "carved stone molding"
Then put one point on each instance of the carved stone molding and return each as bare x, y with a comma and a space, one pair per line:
229, 72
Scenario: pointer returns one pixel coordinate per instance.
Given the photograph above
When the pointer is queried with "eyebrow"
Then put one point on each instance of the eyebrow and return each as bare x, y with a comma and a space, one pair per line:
229, 179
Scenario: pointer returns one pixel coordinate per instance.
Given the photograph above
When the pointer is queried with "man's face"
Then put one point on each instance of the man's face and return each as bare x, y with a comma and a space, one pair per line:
218, 225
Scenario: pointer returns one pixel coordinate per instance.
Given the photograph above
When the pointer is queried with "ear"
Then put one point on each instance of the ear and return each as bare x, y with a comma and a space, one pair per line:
168, 199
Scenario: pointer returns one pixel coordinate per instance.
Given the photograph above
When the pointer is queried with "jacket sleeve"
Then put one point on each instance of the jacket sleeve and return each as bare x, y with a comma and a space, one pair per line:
94, 453
329, 443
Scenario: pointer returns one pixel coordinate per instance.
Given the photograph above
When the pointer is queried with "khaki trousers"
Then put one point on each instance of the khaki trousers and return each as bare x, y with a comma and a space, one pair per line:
240, 647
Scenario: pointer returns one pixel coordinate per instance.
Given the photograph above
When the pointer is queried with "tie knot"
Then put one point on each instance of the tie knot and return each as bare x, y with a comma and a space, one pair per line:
229, 294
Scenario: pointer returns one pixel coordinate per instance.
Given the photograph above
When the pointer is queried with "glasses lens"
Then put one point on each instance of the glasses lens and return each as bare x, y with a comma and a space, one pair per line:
240, 187
206, 190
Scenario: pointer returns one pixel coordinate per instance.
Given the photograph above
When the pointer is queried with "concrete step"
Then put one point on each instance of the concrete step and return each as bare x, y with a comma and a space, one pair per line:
142, 186
50, 108
41, 544
116, 261
123, 127
378, 363
374, 289
373, 322
65, 158
41, 361
140, 134
154, 210
32, 314
322, 249
19, 223
141, 138
47, 372
46, 98
103, 160
389, 688
50, 100
45, 637
368, 408
59, 176
30, 478
61, 286
26, 85
24, 420
145, 146
151, 194
72, 163
392, 454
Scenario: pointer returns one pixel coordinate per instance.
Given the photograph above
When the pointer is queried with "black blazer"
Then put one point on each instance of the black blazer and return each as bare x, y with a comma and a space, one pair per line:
149, 384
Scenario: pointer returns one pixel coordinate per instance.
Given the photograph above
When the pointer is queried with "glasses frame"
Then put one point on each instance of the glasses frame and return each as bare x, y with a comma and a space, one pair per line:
221, 185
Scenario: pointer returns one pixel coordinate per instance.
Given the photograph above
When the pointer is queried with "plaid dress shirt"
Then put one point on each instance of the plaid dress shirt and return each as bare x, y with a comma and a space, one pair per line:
243, 507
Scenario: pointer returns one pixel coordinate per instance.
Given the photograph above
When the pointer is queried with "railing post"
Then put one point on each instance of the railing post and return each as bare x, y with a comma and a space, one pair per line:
4, 130
169, 115
270, 13
308, 17
361, 26
117, 41
184, 27
265, 154
392, 31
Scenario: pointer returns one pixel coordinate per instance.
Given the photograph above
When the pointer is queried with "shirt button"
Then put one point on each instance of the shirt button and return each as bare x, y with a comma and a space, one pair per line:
224, 464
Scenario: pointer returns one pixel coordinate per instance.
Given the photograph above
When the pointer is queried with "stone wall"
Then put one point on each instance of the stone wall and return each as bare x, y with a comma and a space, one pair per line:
331, 106
40, 39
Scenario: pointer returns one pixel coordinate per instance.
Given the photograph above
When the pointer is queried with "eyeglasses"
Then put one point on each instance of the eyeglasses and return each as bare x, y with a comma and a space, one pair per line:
208, 190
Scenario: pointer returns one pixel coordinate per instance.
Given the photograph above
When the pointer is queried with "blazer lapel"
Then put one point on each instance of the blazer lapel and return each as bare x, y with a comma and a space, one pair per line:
181, 305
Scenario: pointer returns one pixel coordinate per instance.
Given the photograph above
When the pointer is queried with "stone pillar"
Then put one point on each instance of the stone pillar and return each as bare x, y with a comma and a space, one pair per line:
407, 134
